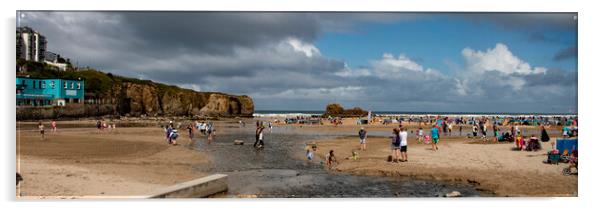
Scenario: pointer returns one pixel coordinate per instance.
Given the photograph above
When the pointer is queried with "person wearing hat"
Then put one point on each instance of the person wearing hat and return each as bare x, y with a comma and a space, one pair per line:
363, 135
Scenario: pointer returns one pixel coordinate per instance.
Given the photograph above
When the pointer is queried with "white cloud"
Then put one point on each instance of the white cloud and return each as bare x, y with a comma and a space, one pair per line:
308, 49
339, 93
498, 59
390, 67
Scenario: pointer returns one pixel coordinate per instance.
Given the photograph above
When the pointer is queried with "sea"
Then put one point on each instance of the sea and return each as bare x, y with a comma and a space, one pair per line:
309, 113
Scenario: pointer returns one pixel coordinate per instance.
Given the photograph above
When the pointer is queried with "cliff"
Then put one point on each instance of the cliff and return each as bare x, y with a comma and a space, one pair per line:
153, 100
108, 94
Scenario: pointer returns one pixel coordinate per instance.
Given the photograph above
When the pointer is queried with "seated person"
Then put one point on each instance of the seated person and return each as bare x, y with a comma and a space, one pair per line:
533, 144
573, 161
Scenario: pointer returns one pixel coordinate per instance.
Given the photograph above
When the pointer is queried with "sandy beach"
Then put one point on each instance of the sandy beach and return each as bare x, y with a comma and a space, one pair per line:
489, 166
80, 162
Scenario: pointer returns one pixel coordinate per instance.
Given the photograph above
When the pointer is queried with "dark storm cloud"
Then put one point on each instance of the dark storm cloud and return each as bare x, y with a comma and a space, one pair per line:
567, 53
217, 32
527, 21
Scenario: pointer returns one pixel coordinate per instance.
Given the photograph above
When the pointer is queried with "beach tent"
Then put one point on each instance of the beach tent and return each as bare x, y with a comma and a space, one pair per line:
566, 146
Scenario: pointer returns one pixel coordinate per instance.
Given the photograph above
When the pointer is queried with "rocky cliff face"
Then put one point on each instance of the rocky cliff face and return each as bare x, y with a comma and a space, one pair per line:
153, 100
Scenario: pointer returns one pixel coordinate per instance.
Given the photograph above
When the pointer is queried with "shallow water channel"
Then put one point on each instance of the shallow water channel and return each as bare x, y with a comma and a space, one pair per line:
279, 170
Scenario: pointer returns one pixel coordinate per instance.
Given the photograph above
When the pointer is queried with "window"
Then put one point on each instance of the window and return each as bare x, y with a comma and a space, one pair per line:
65, 85
52, 84
34, 84
40, 84
79, 86
71, 85
43, 84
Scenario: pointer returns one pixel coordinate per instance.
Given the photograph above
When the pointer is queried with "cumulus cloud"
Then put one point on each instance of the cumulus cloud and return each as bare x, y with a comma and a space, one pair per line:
498, 59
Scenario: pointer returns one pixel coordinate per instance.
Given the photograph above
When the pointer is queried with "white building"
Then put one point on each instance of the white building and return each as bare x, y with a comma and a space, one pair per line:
31, 45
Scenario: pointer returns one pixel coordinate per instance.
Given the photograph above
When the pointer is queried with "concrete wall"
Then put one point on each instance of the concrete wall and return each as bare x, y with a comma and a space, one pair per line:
198, 188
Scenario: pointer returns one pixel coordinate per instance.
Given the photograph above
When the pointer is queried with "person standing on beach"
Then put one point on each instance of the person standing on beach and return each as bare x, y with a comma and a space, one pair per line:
395, 142
435, 135
41, 128
363, 134
260, 136
256, 135
420, 135
53, 124
190, 132
544, 134
403, 145
98, 125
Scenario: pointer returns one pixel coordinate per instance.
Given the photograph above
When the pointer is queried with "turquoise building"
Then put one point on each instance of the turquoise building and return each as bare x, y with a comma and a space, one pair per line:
48, 92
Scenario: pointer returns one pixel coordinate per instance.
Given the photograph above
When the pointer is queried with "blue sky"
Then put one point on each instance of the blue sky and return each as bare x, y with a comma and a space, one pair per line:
440, 62
439, 38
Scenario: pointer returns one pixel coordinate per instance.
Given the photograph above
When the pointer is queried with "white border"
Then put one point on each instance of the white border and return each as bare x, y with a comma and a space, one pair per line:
589, 101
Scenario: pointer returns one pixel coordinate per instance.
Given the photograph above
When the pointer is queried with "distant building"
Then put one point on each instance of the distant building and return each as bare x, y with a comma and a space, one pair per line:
56, 60
48, 92
31, 45
51, 57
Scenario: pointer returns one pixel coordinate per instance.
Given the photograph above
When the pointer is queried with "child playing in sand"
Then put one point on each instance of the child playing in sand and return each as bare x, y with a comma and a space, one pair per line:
309, 151
354, 155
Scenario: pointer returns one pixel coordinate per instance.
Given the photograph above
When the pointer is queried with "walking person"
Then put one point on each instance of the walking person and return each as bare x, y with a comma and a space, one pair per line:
168, 130
403, 145
210, 133
363, 134
435, 136
41, 128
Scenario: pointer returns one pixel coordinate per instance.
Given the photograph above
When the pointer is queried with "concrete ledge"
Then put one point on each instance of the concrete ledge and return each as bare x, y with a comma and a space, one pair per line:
198, 188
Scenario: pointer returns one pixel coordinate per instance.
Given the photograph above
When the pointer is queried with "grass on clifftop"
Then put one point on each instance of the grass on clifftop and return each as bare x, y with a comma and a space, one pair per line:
96, 82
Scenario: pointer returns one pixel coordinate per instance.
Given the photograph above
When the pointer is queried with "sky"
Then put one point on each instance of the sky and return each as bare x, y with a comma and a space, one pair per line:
424, 62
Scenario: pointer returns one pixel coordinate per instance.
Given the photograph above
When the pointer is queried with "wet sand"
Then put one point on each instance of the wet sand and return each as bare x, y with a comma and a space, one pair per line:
80, 162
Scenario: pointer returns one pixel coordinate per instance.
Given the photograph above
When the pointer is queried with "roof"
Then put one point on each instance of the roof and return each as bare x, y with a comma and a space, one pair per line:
28, 77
